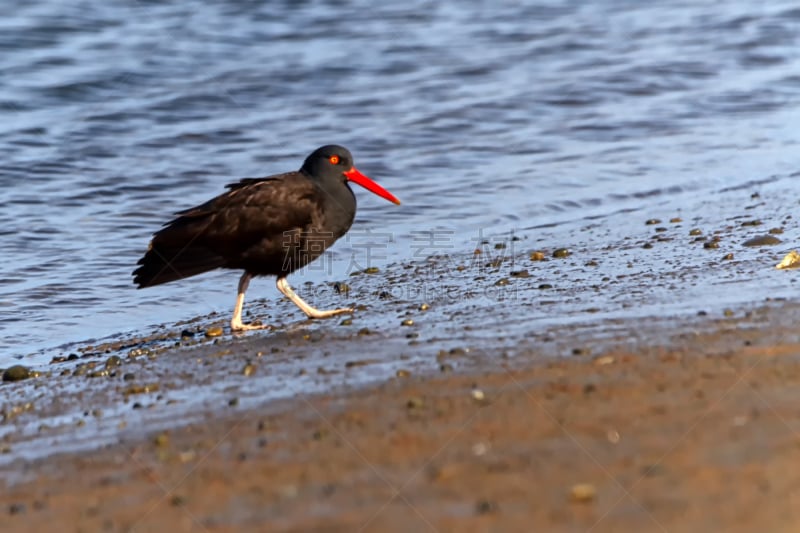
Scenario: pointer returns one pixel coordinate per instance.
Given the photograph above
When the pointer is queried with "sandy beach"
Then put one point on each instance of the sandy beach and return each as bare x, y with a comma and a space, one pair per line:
695, 429
498, 390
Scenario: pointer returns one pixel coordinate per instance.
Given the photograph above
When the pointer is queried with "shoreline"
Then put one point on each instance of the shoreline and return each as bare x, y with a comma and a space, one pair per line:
695, 429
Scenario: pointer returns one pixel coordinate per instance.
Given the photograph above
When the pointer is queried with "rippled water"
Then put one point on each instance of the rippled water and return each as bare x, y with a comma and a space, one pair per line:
484, 117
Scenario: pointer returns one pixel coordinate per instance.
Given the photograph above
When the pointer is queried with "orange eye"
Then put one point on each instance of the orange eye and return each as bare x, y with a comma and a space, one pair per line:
334, 159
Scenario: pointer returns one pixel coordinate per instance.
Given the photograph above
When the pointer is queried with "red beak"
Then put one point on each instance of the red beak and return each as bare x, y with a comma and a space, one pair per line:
357, 177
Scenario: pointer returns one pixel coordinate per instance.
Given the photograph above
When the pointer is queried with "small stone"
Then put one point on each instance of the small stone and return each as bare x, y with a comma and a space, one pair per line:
695, 231
478, 395
727, 257
520, 274
652, 222
249, 369
791, 260
711, 245
346, 322
371, 270
215, 331
604, 360
762, 240
485, 507
537, 256
728, 313
676, 220
415, 402
407, 322
113, 362
424, 307
233, 402
501, 282
341, 288
18, 373
141, 389
16, 508
582, 492
360, 362
561, 253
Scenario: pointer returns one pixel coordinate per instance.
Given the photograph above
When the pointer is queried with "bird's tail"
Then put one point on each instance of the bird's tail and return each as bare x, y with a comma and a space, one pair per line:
172, 256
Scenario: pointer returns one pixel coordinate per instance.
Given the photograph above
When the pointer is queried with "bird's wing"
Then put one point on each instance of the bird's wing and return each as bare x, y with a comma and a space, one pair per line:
250, 213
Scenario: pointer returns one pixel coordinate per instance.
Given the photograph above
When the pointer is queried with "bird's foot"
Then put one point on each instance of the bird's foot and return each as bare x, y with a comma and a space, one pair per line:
240, 326
316, 313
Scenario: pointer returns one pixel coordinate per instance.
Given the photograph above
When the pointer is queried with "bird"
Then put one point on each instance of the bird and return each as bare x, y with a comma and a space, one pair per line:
268, 226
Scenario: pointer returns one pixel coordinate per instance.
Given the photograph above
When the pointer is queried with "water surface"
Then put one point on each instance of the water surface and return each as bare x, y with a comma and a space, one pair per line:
484, 118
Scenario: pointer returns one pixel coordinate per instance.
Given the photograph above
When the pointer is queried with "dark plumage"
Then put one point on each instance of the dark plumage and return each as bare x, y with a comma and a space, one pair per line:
263, 226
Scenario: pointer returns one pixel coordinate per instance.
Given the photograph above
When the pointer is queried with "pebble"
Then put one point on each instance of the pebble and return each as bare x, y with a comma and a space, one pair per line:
604, 360
485, 507
18, 373
582, 492
561, 252
762, 240
341, 288
216, 331
360, 362
407, 322
415, 402
791, 260
537, 256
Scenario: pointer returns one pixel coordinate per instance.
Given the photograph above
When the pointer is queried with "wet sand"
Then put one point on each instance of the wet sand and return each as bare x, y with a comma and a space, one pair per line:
694, 431
631, 385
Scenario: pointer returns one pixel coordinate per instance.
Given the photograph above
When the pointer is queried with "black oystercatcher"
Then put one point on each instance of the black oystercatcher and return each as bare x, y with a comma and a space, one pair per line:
265, 226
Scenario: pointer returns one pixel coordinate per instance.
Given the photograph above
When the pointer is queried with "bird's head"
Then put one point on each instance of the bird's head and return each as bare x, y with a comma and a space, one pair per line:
336, 162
